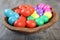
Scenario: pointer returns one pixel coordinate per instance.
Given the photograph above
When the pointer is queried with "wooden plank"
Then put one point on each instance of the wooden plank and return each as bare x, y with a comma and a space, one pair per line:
47, 35
9, 35
56, 32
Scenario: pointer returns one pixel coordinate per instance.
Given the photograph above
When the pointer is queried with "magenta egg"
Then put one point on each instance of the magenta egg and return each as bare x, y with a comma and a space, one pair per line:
47, 7
41, 6
48, 10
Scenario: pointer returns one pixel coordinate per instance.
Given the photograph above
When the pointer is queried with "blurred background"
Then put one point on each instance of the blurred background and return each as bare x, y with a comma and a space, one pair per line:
52, 33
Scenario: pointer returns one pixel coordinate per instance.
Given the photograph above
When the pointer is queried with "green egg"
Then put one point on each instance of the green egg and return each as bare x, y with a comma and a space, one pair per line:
39, 22
30, 18
45, 18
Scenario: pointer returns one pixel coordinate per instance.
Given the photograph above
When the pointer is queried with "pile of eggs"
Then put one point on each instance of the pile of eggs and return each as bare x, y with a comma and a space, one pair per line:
29, 16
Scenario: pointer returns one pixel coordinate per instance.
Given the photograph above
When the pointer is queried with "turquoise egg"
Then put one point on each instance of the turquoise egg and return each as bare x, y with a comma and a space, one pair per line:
8, 12
30, 18
39, 22
11, 20
16, 15
45, 18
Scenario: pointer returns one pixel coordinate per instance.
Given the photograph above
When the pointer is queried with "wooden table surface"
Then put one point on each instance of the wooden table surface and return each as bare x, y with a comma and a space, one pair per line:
52, 33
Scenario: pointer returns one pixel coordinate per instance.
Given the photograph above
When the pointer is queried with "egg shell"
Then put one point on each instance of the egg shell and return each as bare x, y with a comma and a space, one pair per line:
48, 14
8, 12
40, 12
41, 5
11, 20
22, 18
18, 11
46, 7
48, 10
35, 15
25, 12
45, 18
30, 23
39, 21
16, 15
30, 18
19, 24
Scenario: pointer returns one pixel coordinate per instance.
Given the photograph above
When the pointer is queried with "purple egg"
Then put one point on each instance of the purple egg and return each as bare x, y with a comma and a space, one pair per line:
40, 12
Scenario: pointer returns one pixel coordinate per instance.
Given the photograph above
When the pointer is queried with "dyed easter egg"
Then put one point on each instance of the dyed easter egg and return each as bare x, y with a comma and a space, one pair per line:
40, 6
30, 24
30, 18
48, 10
21, 7
11, 20
19, 24
39, 22
25, 12
22, 18
16, 15
48, 14
40, 12
46, 7
35, 15
8, 12
30, 8
18, 11
45, 18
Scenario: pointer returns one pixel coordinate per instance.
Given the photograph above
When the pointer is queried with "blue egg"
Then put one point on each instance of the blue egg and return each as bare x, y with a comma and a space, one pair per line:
11, 20
16, 15
8, 12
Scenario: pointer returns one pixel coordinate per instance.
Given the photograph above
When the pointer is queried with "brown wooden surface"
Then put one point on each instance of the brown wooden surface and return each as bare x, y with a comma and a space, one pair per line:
52, 33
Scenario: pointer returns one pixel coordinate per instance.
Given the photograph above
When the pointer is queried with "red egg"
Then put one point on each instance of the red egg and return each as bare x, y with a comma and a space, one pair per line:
17, 11
25, 13
30, 24
29, 7
22, 18
19, 24
22, 7
26, 10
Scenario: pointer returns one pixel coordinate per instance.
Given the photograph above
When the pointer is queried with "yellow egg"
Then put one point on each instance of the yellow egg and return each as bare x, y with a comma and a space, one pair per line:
35, 15
48, 14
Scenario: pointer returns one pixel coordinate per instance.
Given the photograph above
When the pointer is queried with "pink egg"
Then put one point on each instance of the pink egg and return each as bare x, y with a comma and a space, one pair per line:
48, 10
46, 7
41, 5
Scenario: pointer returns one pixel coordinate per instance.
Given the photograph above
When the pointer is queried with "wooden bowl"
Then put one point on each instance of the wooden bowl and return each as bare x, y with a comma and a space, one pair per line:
32, 30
